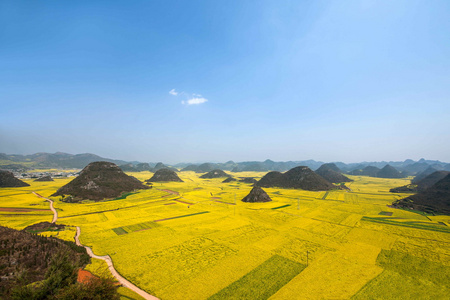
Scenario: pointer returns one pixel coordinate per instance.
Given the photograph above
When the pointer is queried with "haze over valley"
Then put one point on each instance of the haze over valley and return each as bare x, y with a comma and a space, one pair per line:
224, 150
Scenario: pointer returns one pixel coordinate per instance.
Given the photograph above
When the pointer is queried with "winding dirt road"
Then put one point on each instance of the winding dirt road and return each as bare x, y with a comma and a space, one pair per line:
106, 258
55, 213
113, 271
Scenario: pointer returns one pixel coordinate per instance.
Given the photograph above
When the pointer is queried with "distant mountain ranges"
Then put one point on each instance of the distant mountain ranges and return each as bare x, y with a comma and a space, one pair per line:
51, 160
104, 179
391, 169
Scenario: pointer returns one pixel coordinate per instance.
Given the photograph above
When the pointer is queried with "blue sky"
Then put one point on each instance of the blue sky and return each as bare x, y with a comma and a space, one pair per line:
286, 80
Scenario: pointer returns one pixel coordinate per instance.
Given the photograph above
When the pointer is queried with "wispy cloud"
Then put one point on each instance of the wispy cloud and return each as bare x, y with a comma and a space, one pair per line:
192, 99
195, 101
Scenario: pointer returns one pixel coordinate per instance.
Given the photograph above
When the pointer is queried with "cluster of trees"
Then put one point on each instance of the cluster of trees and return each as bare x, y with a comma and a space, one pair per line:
36, 267
60, 282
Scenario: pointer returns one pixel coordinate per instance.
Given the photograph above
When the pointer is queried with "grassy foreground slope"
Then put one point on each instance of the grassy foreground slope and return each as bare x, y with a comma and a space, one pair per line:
196, 239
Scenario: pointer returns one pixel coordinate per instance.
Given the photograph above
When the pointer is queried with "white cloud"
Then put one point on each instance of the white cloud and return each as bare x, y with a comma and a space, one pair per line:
173, 92
195, 101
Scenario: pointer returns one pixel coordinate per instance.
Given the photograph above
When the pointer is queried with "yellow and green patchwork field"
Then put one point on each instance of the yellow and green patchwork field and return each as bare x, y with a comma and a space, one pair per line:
196, 239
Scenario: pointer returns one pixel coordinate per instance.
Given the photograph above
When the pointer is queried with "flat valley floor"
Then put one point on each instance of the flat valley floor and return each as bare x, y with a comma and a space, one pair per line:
197, 240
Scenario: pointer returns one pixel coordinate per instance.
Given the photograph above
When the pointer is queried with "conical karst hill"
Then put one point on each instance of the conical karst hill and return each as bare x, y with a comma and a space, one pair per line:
431, 179
435, 199
100, 180
422, 184
7, 179
430, 170
160, 166
389, 171
45, 178
217, 173
330, 166
250, 180
296, 178
366, 171
229, 179
257, 194
328, 171
163, 175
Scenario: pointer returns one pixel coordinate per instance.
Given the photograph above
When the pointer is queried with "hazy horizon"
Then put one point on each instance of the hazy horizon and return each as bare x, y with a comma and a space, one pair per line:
202, 81
236, 161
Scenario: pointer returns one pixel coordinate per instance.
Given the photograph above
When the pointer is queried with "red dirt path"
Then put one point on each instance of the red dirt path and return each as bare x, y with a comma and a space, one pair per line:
11, 209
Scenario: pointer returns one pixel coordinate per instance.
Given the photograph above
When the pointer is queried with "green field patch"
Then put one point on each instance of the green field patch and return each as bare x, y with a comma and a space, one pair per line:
385, 213
282, 206
325, 196
416, 211
119, 231
183, 216
263, 281
413, 266
392, 285
431, 227
124, 195
224, 202
89, 213
102, 217
140, 226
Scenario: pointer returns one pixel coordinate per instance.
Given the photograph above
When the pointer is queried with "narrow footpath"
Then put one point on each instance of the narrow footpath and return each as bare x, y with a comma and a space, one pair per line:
55, 213
113, 271
170, 192
106, 258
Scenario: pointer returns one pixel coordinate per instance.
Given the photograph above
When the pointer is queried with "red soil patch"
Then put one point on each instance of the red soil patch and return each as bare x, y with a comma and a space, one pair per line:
85, 276
12, 209
170, 191
170, 203
216, 197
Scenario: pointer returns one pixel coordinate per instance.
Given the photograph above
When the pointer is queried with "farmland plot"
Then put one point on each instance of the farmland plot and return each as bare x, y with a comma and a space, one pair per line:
196, 239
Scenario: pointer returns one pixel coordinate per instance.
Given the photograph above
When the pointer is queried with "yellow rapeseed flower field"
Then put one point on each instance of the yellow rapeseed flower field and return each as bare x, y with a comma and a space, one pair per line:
196, 239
